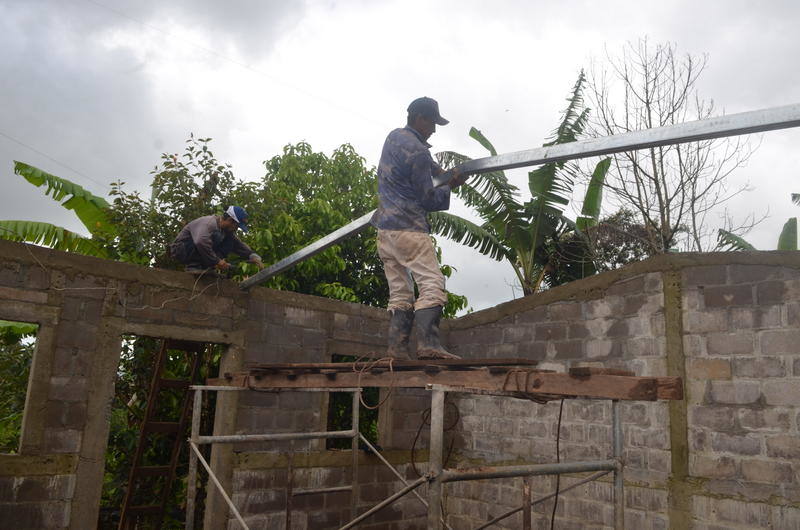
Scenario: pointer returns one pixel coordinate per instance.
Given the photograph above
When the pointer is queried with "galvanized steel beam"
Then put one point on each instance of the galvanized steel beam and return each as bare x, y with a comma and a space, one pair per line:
731, 125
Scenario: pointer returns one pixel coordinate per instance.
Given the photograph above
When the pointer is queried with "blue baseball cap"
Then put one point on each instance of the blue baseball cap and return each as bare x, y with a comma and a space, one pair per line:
429, 108
238, 214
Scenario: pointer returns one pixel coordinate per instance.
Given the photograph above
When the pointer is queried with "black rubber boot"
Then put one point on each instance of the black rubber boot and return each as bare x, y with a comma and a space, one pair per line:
400, 323
426, 322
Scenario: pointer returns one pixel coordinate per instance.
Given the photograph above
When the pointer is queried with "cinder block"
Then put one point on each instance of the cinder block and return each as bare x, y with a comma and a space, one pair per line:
569, 349
70, 361
517, 334
785, 517
730, 343
735, 392
782, 392
86, 286
627, 286
608, 306
756, 318
708, 275
62, 440
754, 515
647, 499
537, 314
780, 342
739, 273
23, 295
766, 419
81, 335
759, 367
728, 295
767, 471
72, 389
566, 311
66, 414
532, 350
772, 292
712, 466
81, 309
714, 418
641, 347
737, 445
793, 314
705, 321
706, 369
550, 331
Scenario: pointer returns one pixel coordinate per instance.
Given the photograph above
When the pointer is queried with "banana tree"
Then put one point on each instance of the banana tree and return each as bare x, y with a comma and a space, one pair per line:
527, 233
90, 209
787, 240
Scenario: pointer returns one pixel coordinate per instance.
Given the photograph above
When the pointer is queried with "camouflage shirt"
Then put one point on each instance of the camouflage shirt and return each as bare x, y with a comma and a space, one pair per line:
405, 186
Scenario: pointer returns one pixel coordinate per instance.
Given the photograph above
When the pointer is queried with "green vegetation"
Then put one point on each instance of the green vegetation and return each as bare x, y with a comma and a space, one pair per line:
17, 341
787, 240
543, 247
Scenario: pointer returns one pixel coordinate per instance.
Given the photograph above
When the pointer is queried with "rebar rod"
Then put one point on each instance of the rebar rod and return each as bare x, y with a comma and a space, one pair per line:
389, 500
218, 485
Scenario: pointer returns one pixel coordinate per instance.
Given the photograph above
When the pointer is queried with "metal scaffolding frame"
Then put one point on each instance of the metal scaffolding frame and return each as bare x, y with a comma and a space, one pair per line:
436, 476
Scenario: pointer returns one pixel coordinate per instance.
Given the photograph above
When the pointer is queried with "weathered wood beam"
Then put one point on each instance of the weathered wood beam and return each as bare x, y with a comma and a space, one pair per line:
494, 379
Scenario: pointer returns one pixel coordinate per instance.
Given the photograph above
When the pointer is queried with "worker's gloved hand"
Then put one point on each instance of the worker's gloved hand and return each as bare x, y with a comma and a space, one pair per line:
457, 178
256, 260
222, 265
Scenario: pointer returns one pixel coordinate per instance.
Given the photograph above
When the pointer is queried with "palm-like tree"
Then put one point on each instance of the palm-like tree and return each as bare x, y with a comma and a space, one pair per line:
90, 209
528, 234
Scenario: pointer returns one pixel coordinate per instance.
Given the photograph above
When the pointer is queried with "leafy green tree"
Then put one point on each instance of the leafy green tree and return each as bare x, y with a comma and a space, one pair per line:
303, 196
16, 352
184, 187
527, 234
787, 240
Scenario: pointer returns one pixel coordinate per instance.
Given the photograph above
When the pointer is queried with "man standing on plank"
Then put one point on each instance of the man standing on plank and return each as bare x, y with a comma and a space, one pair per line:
406, 195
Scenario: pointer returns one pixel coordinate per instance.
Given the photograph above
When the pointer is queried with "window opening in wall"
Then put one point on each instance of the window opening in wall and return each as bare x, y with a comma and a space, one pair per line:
17, 342
340, 412
131, 393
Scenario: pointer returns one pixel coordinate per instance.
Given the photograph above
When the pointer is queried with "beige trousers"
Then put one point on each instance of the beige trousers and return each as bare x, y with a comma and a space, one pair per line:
406, 254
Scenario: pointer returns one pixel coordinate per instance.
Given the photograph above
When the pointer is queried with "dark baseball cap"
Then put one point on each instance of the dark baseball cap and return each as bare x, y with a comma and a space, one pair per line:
429, 108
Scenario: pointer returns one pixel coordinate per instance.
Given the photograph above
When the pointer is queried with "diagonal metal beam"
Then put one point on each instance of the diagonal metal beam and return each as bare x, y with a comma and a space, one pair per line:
731, 125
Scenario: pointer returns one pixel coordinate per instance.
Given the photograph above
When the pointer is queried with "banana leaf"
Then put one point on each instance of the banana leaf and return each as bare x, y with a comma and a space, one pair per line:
90, 209
52, 236
788, 237
593, 200
729, 241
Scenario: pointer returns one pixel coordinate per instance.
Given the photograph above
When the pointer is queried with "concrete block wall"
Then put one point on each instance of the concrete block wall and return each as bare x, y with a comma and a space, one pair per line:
726, 457
618, 324
742, 344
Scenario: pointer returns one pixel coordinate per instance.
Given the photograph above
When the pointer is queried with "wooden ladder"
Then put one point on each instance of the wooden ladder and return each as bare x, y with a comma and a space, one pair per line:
132, 514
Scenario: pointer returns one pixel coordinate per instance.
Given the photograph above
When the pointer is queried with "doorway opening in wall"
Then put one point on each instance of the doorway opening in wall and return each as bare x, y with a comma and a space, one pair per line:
17, 342
340, 412
148, 434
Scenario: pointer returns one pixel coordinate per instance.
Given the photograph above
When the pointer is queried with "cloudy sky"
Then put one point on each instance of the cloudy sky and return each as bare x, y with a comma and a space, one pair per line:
96, 90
